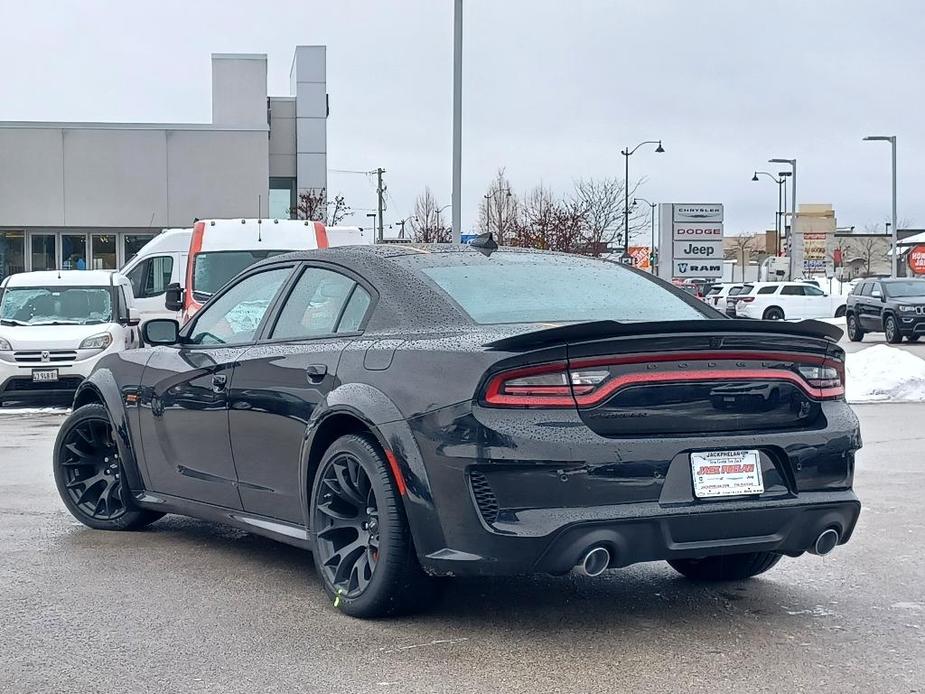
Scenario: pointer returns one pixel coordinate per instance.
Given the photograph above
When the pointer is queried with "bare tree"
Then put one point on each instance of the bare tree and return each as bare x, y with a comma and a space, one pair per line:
602, 200
550, 224
313, 204
427, 223
868, 249
743, 248
498, 211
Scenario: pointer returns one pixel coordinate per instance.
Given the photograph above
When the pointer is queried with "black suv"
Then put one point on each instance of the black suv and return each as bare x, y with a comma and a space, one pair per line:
893, 307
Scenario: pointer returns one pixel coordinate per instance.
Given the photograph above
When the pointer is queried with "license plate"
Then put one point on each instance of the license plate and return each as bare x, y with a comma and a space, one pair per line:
726, 473
44, 375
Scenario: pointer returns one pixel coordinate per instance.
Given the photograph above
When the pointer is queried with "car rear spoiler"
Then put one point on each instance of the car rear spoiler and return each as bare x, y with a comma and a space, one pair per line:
593, 330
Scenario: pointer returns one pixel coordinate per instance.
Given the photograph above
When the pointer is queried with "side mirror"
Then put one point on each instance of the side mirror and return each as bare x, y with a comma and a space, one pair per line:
134, 316
173, 298
161, 331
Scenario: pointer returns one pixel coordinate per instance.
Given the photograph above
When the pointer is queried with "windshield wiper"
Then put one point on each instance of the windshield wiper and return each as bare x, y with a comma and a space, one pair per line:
10, 321
55, 322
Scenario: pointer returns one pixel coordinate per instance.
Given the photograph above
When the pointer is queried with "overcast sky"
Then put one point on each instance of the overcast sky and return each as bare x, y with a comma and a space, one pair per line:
553, 89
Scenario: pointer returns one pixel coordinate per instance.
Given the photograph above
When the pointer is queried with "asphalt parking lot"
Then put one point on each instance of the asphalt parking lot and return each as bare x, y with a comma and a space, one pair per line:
189, 606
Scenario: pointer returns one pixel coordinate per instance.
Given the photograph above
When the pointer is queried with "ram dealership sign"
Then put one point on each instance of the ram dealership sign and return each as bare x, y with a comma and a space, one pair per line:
693, 235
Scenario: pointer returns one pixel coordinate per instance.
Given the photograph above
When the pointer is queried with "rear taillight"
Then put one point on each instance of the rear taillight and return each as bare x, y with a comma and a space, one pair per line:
747, 299
591, 381
550, 385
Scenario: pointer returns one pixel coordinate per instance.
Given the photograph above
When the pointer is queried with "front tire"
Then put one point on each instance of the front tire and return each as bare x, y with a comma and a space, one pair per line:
89, 473
731, 567
891, 331
855, 334
363, 550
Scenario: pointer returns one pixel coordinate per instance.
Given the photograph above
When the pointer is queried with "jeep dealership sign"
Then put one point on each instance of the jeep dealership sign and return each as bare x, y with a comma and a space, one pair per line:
693, 236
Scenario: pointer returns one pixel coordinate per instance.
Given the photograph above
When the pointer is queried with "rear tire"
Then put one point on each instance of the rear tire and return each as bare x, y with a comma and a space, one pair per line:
363, 551
731, 567
891, 331
773, 313
853, 328
840, 311
89, 474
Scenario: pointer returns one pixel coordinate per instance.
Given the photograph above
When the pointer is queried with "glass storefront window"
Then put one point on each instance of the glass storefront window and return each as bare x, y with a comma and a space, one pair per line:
132, 243
73, 252
43, 251
282, 198
103, 247
12, 253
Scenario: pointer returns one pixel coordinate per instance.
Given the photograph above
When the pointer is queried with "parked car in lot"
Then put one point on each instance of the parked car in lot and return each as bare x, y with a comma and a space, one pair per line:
419, 411
55, 327
158, 264
717, 294
787, 300
895, 307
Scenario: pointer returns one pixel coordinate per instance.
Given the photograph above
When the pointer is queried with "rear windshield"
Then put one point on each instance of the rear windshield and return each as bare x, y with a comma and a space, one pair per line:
908, 288
58, 306
514, 287
212, 270
714, 290
733, 291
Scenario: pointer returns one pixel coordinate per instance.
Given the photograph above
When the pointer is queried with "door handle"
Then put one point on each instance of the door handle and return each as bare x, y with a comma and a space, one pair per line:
218, 382
315, 373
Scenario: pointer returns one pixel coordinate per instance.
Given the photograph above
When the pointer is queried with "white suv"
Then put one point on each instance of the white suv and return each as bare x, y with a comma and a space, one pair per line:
787, 300
55, 326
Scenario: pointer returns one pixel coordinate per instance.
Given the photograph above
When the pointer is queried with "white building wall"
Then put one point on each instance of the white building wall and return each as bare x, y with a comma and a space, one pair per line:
308, 83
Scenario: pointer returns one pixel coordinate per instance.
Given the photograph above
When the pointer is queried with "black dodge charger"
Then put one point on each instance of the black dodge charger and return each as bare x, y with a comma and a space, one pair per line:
412, 412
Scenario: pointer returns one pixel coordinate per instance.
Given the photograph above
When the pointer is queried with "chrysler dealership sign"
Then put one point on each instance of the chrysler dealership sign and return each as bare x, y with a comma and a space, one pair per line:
694, 237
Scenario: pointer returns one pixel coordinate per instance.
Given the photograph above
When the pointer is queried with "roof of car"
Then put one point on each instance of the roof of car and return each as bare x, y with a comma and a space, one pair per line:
65, 278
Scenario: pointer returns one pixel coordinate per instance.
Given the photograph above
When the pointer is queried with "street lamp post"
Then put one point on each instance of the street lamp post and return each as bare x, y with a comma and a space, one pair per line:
777, 215
457, 119
652, 255
626, 188
892, 140
793, 203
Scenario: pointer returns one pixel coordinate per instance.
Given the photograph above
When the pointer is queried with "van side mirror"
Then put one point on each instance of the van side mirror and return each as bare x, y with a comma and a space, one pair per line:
134, 316
161, 331
173, 297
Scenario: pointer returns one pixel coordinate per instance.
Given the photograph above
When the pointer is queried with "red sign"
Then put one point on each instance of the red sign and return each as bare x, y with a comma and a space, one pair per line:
917, 259
640, 256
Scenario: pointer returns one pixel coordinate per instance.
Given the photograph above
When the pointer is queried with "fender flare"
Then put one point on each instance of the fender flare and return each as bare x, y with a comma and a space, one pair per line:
377, 413
101, 387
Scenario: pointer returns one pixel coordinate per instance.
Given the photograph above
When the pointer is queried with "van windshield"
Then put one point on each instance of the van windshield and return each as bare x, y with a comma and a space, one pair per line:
213, 270
58, 306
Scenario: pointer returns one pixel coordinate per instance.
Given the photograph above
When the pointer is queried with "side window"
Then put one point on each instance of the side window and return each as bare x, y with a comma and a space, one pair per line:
137, 277
158, 278
810, 290
123, 303
875, 291
233, 318
792, 290
314, 305
864, 288
767, 290
355, 312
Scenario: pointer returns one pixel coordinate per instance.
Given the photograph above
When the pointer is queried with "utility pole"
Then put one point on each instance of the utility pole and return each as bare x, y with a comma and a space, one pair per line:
457, 119
380, 190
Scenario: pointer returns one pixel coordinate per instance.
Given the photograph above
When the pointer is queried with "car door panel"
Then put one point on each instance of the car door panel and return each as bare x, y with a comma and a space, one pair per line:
184, 424
275, 389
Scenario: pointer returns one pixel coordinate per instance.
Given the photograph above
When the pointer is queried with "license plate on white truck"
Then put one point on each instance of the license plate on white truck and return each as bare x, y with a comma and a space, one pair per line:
726, 473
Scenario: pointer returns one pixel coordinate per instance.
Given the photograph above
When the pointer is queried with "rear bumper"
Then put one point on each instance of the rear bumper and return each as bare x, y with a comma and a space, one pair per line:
534, 497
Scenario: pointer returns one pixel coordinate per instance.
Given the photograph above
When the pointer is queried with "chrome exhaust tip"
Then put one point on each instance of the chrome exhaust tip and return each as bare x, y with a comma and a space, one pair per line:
595, 561
826, 542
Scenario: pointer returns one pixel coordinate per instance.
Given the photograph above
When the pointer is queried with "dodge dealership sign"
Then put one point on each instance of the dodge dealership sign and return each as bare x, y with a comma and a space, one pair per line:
693, 234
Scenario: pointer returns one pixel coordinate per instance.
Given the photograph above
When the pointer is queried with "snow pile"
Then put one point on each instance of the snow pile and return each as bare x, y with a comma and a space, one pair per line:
884, 374
33, 410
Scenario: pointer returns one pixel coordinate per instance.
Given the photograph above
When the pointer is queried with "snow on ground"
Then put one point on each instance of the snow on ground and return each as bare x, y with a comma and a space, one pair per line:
884, 374
33, 410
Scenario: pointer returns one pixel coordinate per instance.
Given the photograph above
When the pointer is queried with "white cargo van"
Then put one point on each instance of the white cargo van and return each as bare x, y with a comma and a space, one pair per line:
159, 263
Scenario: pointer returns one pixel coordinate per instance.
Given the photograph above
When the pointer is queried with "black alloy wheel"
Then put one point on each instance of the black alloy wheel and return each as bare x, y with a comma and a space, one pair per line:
347, 522
855, 334
891, 331
363, 551
774, 313
89, 474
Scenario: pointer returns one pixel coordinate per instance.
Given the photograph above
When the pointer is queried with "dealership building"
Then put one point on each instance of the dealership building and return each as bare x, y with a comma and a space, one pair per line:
89, 195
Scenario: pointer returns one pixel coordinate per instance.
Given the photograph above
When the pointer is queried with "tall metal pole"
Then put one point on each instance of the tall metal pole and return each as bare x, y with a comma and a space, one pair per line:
652, 252
380, 191
626, 203
893, 257
778, 231
457, 120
